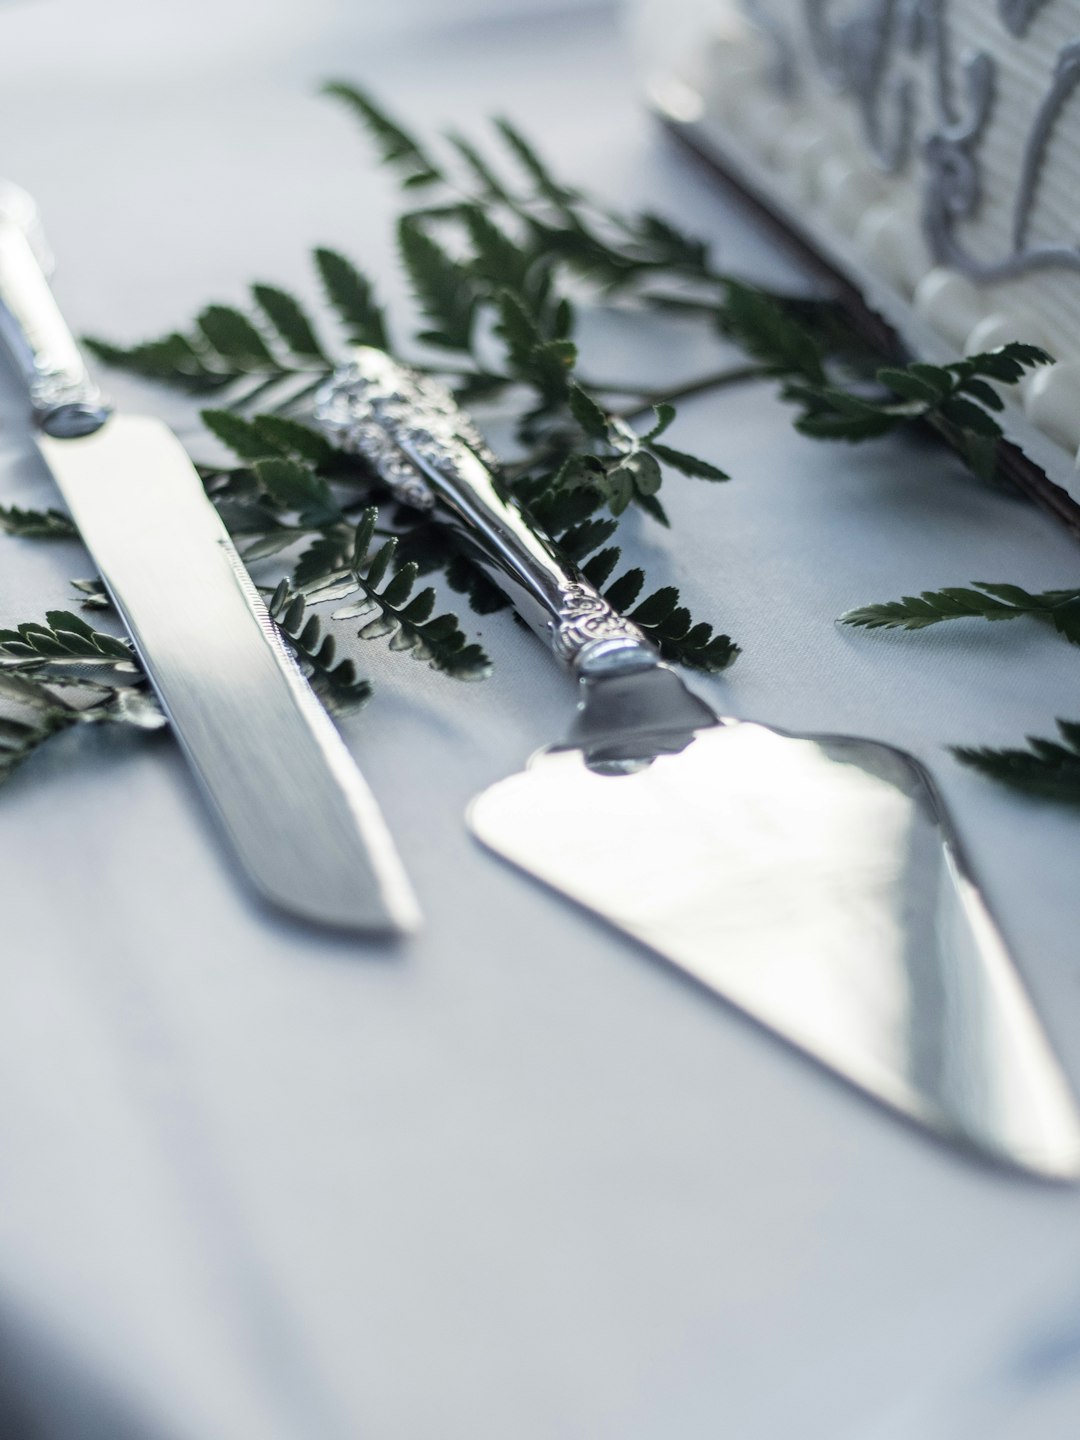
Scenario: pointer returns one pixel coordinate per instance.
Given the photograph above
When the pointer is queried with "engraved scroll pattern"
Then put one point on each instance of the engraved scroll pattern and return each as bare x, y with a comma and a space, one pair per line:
385, 412
860, 52
586, 619
389, 414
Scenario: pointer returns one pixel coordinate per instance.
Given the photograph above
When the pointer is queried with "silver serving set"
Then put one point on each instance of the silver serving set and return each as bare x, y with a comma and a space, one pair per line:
813, 882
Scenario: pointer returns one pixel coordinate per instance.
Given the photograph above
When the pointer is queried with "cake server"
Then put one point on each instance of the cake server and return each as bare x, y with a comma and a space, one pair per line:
299, 815
814, 882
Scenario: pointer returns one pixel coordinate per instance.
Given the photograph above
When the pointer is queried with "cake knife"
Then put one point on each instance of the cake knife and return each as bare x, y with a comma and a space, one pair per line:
814, 882
300, 817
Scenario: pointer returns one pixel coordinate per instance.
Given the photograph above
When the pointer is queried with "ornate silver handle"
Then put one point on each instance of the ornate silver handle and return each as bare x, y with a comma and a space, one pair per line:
431, 455
65, 400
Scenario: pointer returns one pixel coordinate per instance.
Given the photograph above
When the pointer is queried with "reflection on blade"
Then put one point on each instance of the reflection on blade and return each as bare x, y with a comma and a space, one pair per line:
299, 814
814, 884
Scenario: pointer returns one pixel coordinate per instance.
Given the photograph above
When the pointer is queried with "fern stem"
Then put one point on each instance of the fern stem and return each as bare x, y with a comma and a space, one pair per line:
460, 372
269, 383
718, 380
688, 304
291, 401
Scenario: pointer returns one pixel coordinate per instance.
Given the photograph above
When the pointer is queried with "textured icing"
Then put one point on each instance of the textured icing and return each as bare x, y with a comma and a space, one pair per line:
943, 136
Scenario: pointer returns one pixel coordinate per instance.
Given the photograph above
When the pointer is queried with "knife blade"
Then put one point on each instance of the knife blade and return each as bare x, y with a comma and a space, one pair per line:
288, 795
815, 882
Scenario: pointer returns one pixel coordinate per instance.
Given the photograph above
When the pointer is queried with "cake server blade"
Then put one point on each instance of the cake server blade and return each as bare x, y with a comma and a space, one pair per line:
816, 885
814, 882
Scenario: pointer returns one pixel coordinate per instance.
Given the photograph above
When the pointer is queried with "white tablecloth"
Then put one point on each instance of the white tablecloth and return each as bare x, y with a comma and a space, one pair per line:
512, 1179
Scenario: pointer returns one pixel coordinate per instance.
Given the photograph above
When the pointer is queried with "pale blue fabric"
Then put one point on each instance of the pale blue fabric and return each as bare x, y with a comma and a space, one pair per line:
514, 1180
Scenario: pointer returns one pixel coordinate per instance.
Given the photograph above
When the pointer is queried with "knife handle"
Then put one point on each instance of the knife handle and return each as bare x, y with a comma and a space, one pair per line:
65, 400
425, 448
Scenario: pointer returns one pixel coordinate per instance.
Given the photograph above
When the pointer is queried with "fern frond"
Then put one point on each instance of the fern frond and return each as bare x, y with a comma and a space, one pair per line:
670, 627
19, 739
987, 601
37, 524
291, 324
396, 147
334, 681
394, 609
351, 295
1046, 768
66, 651
443, 287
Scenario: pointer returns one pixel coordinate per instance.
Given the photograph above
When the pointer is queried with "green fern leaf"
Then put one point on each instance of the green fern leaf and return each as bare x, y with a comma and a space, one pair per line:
491, 186
1045, 768
622, 593
397, 148
598, 568
443, 287
351, 295
499, 262
232, 335
290, 437
397, 613
687, 464
534, 167
37, 524
546, 364
238, 434
296, 487
764, 329
988, 602
19, 740
172, 360
334, 681
588, 413
289, 320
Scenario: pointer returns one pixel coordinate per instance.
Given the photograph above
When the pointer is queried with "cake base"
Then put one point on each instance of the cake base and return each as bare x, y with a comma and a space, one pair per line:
1030, 461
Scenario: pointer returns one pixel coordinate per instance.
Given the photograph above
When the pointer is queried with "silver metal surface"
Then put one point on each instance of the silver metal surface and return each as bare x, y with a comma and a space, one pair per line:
429, 452
64, 397
300, 817
816, 885
813, 882
289, 795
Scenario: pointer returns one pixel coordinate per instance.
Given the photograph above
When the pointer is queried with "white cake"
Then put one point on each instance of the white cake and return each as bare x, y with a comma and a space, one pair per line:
929, 148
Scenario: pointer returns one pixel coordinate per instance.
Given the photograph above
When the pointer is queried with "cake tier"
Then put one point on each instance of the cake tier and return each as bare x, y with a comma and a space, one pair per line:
929, 148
